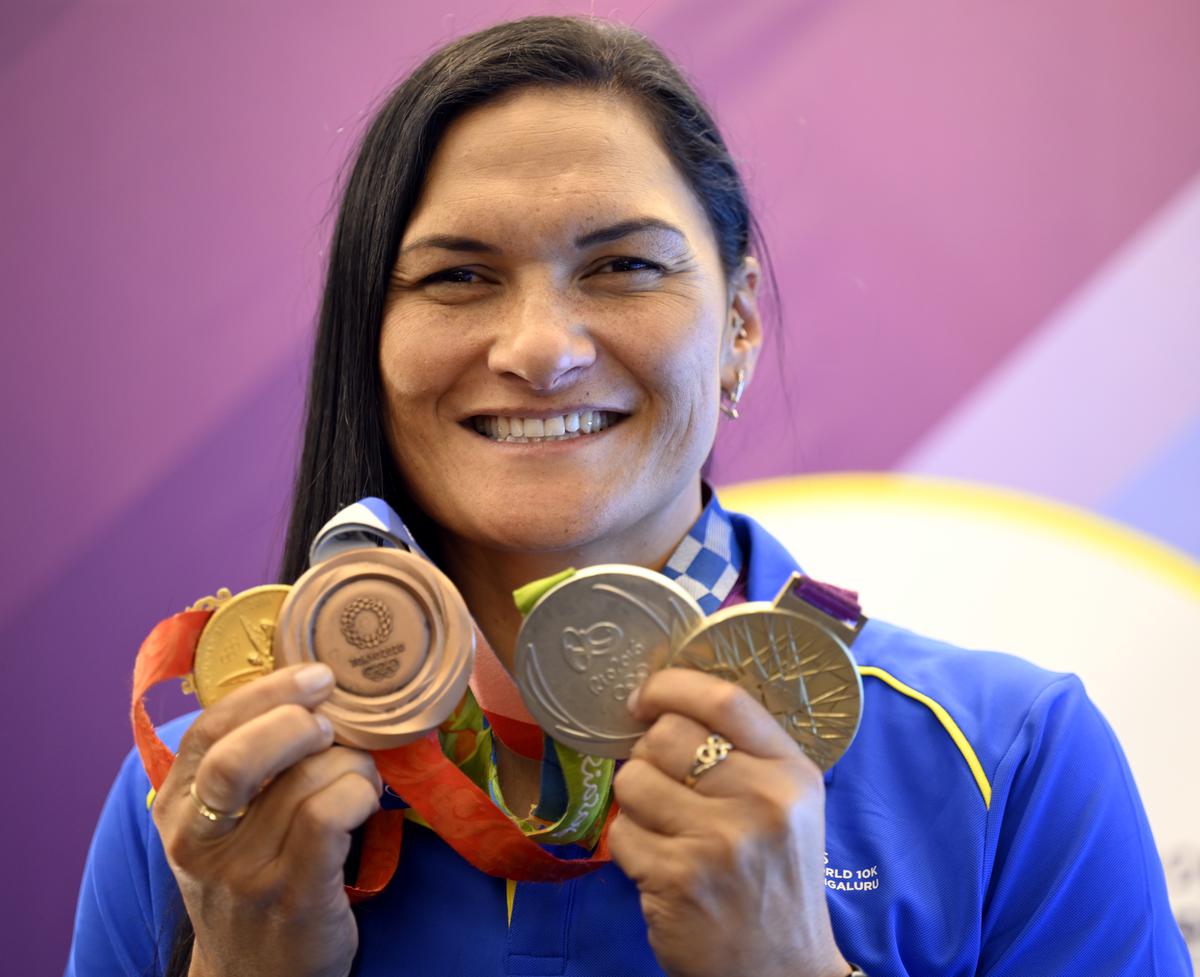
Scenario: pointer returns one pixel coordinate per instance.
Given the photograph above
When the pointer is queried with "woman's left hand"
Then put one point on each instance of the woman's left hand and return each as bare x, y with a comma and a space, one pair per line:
731, 870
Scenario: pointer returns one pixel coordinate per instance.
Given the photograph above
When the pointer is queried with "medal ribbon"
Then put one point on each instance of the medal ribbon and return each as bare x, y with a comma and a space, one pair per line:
466, 819
836, 602
420, 773
166, 653
524, 739
588, 787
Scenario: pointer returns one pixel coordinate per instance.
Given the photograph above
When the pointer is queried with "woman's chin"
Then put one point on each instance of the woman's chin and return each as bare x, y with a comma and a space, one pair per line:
585, 520
542, 532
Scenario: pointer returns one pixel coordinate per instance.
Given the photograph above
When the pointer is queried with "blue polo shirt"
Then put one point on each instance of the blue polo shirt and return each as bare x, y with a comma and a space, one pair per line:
984, 822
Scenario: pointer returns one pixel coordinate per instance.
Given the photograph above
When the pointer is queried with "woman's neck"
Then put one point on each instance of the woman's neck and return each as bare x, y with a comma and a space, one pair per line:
486, 576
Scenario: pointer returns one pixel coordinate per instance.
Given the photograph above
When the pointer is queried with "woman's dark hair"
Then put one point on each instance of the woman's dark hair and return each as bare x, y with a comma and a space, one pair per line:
345, 454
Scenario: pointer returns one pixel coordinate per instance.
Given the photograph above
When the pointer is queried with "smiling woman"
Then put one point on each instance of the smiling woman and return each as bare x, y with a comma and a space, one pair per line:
560, 271
550, 204
540, 298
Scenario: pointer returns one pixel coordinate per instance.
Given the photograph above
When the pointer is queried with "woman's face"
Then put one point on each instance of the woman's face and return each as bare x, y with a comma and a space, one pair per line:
557, 330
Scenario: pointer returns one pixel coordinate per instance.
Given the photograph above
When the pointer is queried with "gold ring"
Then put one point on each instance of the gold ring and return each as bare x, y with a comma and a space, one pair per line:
708, 754
211, 812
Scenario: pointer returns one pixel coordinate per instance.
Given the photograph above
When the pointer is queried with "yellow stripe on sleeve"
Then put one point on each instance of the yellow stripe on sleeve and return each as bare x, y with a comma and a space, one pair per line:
510, 894
948, 723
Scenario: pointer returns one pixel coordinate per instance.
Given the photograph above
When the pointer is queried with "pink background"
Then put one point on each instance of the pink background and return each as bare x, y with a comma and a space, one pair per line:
983, 217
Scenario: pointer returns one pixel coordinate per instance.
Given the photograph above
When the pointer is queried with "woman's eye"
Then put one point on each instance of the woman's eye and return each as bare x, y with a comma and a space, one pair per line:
452, 276
629, 265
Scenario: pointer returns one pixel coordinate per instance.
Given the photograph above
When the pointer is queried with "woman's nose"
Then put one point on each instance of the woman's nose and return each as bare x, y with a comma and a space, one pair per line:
543, 342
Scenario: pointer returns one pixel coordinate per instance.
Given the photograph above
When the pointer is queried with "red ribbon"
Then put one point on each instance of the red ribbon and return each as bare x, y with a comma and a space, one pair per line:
419, 773
466, 819
166, 653
521, 737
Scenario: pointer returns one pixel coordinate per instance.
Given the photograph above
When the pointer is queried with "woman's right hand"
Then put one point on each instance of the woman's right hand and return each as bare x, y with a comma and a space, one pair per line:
265, 892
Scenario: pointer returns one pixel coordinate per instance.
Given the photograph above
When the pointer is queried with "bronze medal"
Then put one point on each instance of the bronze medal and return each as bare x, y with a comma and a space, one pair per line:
396, 634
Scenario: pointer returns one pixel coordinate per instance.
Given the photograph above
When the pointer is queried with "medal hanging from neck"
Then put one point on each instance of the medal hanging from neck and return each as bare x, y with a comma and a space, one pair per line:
401, 644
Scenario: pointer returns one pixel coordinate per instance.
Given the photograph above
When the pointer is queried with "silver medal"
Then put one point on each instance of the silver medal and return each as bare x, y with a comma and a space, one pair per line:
589, 642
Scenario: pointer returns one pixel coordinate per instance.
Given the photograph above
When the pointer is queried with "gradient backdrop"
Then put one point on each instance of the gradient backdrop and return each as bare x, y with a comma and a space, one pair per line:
984, 217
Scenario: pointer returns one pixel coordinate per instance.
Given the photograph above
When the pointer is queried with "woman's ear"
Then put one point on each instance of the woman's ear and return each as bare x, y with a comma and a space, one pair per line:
743, 335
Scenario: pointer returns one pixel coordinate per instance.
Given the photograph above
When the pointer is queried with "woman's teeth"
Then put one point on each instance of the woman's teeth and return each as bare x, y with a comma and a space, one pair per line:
560, 428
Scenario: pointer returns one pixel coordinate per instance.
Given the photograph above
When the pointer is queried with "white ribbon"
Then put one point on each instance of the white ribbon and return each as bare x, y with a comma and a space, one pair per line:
368, 522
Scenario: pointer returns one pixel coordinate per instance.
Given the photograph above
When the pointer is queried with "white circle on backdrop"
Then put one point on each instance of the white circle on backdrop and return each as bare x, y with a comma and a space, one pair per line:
991, 568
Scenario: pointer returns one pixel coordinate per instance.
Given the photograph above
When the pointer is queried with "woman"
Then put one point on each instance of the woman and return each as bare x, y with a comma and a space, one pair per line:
540, 292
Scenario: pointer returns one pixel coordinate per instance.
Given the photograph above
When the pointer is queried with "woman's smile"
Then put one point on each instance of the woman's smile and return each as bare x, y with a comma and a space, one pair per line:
542, 427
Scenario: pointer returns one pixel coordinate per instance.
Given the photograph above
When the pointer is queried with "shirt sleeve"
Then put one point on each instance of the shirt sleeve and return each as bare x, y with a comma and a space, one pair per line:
1076, 883
128, 905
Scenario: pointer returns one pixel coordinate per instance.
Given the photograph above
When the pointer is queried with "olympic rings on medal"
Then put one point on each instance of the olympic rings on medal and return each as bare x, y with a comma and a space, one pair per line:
708, 754
211, 812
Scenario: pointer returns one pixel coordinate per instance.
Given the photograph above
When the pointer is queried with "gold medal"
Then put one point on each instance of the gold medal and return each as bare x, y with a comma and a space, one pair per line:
235, 646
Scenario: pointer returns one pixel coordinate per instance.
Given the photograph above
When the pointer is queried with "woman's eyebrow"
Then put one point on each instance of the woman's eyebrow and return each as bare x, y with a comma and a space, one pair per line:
613, 232
449, 242
602, 235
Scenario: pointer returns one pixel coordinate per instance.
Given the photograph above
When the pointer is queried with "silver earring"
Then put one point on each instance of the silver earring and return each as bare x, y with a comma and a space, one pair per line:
729, 401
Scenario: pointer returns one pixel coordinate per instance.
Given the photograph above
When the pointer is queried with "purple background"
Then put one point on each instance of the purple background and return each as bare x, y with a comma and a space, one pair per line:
937, 182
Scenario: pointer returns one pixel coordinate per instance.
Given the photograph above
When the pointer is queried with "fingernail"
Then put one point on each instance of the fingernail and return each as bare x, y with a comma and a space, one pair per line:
314, 677
634, 697
324, 724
